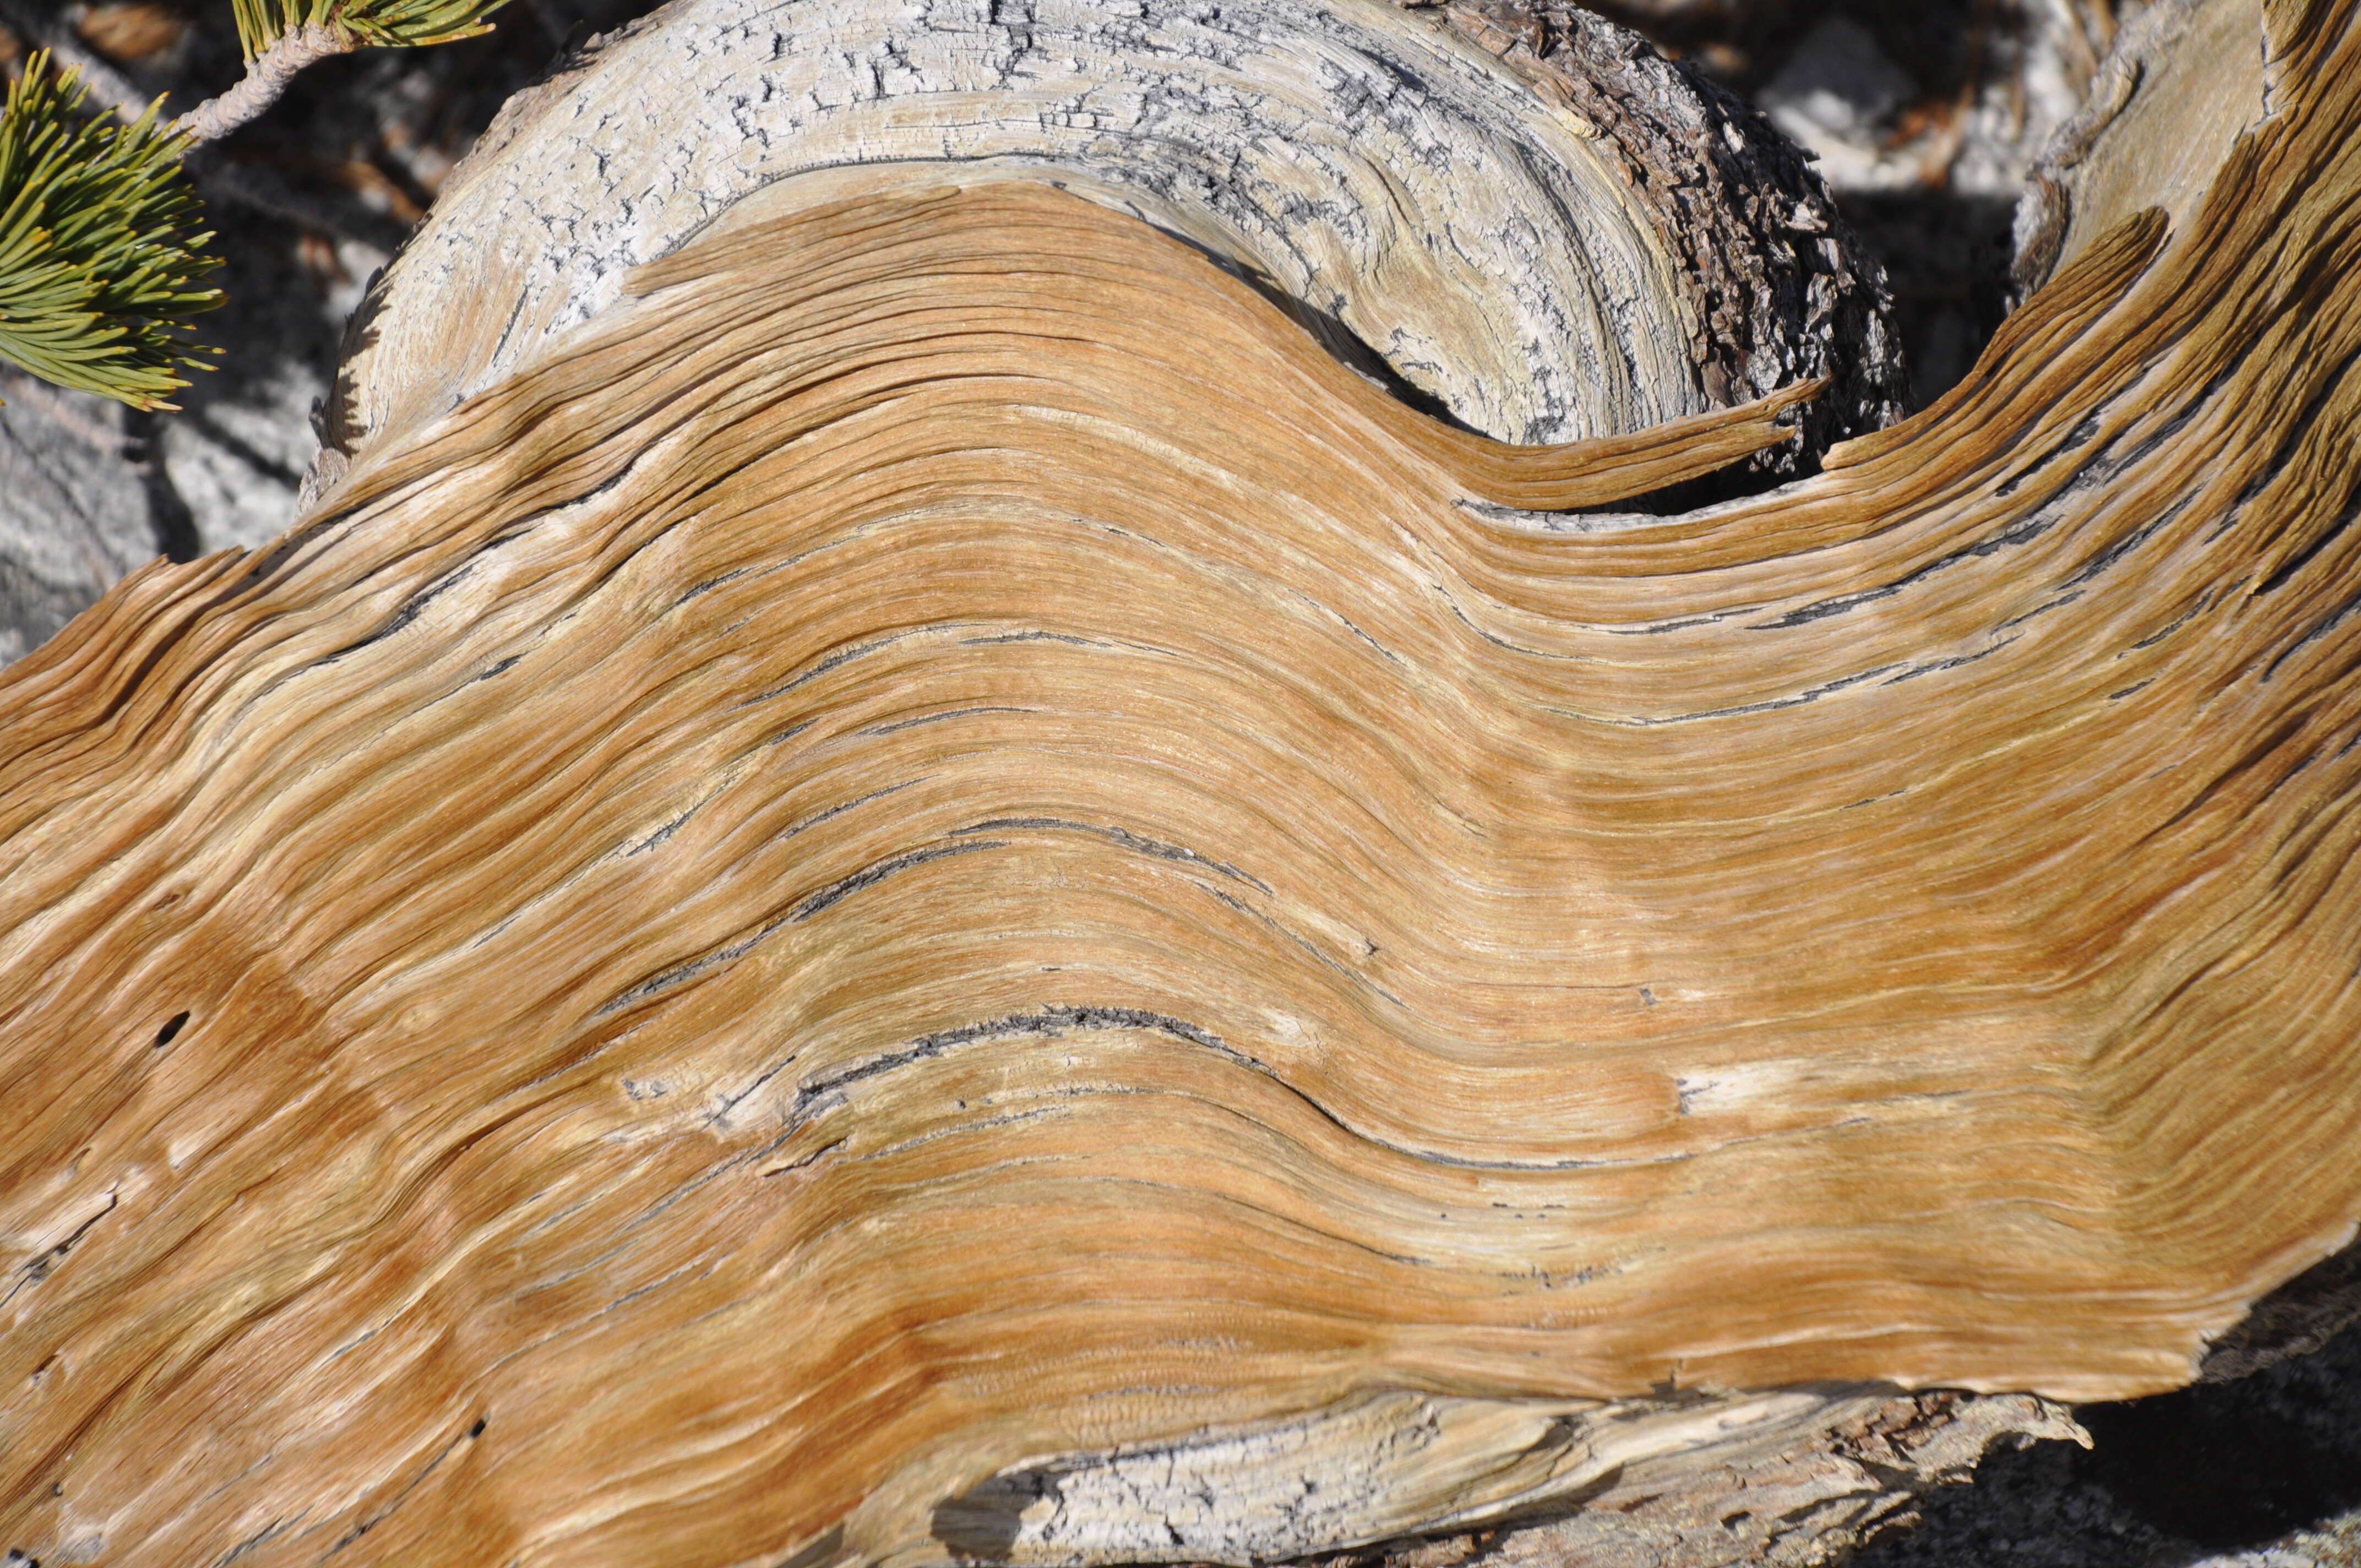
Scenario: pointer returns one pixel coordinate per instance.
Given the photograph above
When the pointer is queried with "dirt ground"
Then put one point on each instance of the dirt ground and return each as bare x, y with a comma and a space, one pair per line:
1923, 116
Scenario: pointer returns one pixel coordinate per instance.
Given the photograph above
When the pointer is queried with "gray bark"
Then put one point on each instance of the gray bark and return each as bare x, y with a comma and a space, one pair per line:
1617, 245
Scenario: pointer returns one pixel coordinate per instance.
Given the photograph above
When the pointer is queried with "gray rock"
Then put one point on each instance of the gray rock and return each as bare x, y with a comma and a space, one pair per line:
1837, 82
74, 513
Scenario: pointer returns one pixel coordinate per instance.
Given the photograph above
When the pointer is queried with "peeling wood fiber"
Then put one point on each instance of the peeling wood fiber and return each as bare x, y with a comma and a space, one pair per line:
936, 894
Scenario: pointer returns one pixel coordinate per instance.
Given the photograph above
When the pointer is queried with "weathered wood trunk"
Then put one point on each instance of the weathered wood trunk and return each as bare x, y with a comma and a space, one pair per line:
908, 867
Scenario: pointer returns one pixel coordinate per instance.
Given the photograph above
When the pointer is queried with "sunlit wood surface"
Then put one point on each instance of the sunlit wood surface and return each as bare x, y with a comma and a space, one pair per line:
943, 852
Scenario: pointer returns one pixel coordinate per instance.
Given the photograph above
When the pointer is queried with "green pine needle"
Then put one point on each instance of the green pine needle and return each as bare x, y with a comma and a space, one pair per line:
384, 22
98, 267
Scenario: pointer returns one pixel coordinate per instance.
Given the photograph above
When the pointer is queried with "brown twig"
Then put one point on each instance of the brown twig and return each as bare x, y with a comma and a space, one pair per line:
2103, 17
265, 78
358, 175
105, 83
261, 189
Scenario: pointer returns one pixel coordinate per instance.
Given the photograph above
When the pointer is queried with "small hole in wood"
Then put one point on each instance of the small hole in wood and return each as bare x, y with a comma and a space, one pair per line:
164, 1036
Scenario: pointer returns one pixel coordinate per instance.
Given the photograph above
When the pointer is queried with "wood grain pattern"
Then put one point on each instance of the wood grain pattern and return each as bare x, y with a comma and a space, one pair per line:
939, 895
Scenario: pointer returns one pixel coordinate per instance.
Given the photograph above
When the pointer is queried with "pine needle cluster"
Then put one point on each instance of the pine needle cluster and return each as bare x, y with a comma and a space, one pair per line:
389, 23
99, 263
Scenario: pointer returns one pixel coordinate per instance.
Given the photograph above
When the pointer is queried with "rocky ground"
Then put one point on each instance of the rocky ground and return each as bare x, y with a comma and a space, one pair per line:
1924, 117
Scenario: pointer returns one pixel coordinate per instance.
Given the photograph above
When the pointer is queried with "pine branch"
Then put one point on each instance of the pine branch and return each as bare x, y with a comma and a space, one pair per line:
217, 182
283, 37
267, 76
98, 263
387, 23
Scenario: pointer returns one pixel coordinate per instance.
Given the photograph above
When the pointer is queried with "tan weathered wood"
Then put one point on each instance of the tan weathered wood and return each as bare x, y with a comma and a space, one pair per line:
930, 891
2187, 77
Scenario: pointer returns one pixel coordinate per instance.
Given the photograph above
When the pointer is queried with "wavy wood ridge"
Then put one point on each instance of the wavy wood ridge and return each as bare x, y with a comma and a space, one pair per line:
941, 897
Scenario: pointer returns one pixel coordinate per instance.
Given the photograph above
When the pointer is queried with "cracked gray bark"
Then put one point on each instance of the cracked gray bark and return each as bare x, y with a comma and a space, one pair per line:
1772, 285
1621, 244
